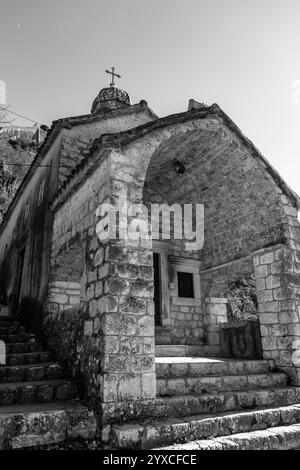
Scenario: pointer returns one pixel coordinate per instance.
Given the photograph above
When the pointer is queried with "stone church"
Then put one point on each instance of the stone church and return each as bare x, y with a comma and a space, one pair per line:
122, 342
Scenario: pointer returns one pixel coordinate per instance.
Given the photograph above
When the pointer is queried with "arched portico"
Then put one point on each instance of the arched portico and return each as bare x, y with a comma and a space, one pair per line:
217, 171
193, 158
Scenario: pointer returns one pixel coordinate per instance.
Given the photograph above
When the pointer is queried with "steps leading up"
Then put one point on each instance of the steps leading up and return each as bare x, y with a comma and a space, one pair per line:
198, 427
28, 358
181, 350
201, 366
188, 375
23, 347
45, 424
276, 438
219, 383
37, 404
27, 372
205, 398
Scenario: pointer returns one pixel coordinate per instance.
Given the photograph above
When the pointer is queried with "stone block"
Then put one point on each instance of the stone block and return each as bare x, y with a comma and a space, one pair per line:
282, 293
111, 344
143, 364
265, 296
268, 318
109, 386
119, 324
130, 345
267, 258
268, 343
116, 363
88, 328
260, 284
145, 326
261, 271
273, 282
129, 386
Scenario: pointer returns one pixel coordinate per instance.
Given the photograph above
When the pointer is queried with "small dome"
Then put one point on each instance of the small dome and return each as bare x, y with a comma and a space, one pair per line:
109, 99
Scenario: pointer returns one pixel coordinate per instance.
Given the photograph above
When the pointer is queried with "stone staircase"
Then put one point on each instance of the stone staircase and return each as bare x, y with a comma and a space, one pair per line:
38, 405
213, 403
180, 350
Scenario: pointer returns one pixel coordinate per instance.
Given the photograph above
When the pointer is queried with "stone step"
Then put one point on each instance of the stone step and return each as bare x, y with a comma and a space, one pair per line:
218, 383
8, 319
32, 372
207, 403
178, 350
28, 358
192, 428
276, 438
44, 424
37, 392
16, 348
9, 330
199, 366
18, 338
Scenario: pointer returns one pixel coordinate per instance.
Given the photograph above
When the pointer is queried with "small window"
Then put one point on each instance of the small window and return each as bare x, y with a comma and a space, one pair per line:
185, 285
41, 192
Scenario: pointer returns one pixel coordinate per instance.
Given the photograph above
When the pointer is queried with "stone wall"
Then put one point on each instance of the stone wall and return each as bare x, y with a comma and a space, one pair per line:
118, 328
215, 281
118, 278
64, 332
215, 316
74, 226
278, 289
62, 295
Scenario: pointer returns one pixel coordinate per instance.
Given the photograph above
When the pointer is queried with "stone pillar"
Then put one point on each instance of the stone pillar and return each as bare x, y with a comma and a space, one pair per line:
278, 288
215, 315
120, 325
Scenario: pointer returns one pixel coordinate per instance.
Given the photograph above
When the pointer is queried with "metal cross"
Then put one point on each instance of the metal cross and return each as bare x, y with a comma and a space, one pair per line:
113, 74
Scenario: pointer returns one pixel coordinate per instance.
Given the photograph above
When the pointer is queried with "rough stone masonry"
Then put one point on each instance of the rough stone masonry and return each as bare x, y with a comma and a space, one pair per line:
99, 308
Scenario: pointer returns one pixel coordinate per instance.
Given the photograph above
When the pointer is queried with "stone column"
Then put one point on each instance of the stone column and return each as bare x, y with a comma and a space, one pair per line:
120, 324
278, 288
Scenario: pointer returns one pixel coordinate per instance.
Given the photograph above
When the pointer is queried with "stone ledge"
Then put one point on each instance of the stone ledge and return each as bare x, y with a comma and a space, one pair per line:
39, 425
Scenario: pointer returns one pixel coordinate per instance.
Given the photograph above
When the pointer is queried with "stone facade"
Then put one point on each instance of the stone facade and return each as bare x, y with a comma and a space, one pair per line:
277, 279
100, 313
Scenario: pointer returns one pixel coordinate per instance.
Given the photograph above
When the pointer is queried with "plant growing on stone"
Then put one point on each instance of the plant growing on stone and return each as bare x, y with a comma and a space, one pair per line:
242, 299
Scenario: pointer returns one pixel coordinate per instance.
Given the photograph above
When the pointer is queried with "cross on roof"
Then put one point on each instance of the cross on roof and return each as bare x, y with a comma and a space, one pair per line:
113, 74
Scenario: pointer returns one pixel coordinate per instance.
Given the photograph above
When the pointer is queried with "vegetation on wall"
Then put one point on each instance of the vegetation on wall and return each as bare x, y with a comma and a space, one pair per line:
16, 154
242, 299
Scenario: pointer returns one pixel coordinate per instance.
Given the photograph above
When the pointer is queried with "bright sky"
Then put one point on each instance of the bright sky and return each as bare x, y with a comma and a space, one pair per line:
242, 54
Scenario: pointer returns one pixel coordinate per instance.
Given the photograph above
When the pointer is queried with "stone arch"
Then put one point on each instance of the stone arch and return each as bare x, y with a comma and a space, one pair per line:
245, 202
221, 169
67, 276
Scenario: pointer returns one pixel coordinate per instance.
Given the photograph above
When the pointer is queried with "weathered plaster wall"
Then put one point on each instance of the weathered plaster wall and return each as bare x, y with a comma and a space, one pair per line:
74, 224
33, 233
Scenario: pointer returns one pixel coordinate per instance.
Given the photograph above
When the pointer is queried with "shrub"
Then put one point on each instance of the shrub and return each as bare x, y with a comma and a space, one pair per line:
242, 299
